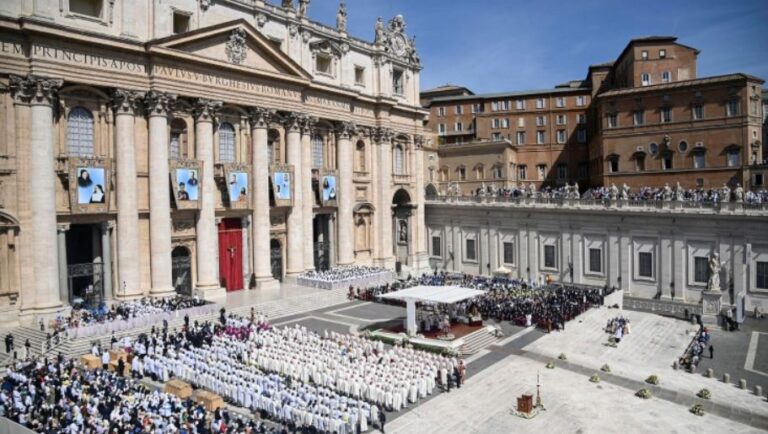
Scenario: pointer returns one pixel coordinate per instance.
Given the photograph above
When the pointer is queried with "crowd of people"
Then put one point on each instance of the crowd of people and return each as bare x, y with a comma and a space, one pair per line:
666, 193
346, 272
53, 396
618, 328
525, 303
695, 351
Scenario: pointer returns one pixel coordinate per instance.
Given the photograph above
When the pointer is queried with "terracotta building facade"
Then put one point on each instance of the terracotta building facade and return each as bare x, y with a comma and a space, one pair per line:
645, 119
212, 148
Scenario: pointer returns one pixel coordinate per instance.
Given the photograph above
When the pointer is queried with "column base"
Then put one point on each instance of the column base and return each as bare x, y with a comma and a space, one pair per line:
162, 292
265, 283
211, 292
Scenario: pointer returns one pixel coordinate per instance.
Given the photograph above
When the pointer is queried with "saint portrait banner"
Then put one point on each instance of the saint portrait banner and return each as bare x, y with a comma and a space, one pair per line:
88, 185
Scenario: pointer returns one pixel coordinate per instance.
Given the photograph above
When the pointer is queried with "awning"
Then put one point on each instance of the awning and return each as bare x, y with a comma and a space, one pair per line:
434, 294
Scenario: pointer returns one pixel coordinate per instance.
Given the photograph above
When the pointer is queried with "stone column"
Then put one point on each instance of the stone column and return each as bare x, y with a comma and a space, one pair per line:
158, 107
346, 195
383, 138
262, 269
125, 104
295, 221
106, 258
305, 177
40, 93
205, 112
61, 231
422, 254
245, 223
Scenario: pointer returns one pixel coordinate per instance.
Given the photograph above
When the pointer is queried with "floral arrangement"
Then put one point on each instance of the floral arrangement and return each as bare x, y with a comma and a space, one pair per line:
594, 378
550, 365
605, 368
704, 394
698, 410
653, 379
562, 356
643, 393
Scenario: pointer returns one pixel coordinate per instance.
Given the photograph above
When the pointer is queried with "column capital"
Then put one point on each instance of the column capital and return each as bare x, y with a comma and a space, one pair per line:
382, 135
292, 122
345, 130
308, 124
126, 101
107, 225
260, 117
206, 110
419, 141
34, 89
62, 227
159, 103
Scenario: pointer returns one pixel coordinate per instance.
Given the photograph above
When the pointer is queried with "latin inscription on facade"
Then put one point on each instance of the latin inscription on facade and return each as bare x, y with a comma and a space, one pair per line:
224, 82
87, 59
327, 102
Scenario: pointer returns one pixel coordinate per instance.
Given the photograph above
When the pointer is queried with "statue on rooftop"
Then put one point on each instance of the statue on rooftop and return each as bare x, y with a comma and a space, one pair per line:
287, 4
341, 17
303, 8
380, 32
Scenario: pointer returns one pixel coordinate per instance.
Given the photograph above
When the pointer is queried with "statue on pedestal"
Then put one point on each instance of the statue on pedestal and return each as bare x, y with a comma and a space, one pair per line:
713, 284
380, 32
739, 193
287, 4
725, 193
613, 192
303, 8
341, 17
666, 195
678, 192
625, 192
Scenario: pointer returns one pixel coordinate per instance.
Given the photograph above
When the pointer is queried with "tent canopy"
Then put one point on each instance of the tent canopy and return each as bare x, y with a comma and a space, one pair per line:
434, 294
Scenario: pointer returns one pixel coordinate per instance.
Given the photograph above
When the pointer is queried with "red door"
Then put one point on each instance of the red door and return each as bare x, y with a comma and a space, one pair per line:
231, 254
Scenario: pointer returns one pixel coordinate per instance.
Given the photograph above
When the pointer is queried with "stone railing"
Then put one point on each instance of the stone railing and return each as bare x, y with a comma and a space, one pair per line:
607, 204
677, 309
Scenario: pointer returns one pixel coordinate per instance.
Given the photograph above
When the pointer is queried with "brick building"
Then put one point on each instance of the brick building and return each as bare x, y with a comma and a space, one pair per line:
643, 119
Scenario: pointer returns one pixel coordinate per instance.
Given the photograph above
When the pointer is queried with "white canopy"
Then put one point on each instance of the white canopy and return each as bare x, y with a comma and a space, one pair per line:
434, 294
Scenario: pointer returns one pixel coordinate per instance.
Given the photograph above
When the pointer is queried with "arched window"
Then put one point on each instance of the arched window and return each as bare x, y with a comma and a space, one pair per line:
399, 161
226, 143
318, 152
177, 146
80, 132
360, 156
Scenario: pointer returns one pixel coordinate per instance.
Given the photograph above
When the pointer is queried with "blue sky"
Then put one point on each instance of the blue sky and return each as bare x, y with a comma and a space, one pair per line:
506, 45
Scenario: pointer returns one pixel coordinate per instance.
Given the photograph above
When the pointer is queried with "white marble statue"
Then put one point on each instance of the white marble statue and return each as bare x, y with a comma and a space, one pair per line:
725, 194
666, 195
713, 284
341, 17
678, 192
532, 190
614, 192
739, 193
625, 192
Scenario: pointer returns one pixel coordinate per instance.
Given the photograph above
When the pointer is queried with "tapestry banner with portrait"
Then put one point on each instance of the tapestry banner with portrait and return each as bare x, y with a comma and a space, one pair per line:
89, 185
237, 178
281, 179
187, 183
328, 187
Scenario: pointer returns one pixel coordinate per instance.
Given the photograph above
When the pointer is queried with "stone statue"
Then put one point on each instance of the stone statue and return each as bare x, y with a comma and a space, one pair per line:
287, 4
381, 33
625, 192
726, 193
739, 193
713, 284
666, 194
532, 190
303, 6
403, 231
341, 17
412, 54
613, 193
678, 192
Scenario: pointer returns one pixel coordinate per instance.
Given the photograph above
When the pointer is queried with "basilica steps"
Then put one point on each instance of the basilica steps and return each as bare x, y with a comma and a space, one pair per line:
476, 341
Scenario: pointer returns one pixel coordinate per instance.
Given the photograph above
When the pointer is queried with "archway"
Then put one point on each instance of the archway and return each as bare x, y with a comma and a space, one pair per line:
402, 228
181, 270
276, 259
430, 190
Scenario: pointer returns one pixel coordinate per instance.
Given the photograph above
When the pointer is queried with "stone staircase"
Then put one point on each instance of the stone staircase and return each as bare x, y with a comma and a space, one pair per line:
274, 309
476, 341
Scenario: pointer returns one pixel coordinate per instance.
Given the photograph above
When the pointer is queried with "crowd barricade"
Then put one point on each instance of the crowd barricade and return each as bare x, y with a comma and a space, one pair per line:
375, 279
117, 326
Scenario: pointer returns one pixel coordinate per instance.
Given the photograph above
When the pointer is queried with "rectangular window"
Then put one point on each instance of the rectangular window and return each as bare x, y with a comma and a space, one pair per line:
733, 158
521, 122
470, 250
581, 135
560, 102
662, 53
700, 269
359, 75
496, 137
757, 179
459, 127
542, 169
180, 22
583, 170
644, 54
520, 137
562, 171
323, 64
666, 77
581, 118
666, 115
613, 165
462, 174
699, 159
697, 112
560, 136
541, 121
596, 260
732, 108
459, 110
398, 82
540, 103
437, 244
540, 137
91, 8
477, 108
496, 170
613, 120
520, 104
509, 253
549, 257
561, 119
667, 162
645, 264
441, 128
761, 280
441, 111
522, 172
645, 79
580, 100
639, 117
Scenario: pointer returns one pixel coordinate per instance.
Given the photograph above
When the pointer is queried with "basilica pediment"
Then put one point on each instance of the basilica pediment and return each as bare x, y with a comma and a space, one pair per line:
236, 43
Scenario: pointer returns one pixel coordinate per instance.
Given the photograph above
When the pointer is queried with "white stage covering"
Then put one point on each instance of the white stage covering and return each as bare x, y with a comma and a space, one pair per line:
434, 294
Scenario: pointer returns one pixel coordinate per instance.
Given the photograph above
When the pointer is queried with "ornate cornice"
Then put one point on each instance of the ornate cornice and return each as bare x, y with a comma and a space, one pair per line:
345, 130
159, 103
125, 101
260, 117
34, 89
206, 110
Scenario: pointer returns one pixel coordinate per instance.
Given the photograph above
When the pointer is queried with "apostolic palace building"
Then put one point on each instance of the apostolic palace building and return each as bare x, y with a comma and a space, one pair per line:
199, 146
207, 146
